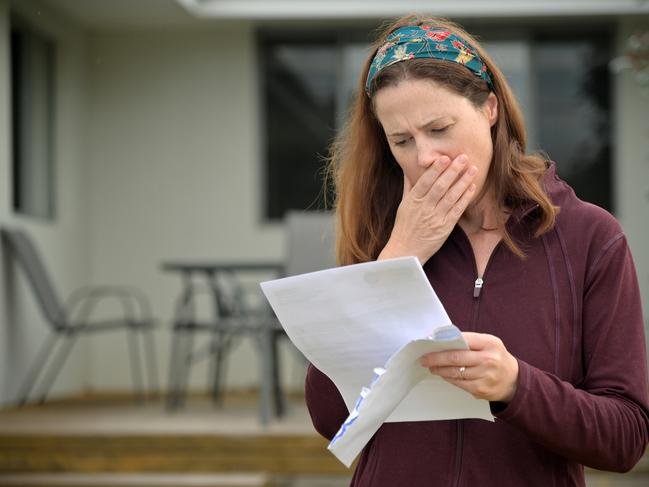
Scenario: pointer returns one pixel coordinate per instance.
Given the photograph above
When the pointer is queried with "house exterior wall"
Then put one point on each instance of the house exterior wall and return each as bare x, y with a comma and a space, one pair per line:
174, 170
189, 139
62, 241
4, 193
158, 156
631, 160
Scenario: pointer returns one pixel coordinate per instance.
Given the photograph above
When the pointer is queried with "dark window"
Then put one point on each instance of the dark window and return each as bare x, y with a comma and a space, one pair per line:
574, 112
32, 116
562, 82
300, 97
308, 81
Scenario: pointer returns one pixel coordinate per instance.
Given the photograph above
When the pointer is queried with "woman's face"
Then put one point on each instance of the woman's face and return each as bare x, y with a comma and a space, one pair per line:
424, 121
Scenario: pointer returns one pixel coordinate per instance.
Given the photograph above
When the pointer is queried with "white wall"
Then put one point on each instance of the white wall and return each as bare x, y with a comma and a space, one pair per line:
158, 158
173, 154
22, 328
175, 168
632, 160
4, 193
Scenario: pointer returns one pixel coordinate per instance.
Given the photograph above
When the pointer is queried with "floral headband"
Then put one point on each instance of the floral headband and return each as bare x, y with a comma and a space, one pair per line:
426, 41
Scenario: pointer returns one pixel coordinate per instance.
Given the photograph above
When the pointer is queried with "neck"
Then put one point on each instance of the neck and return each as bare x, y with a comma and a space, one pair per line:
485, 215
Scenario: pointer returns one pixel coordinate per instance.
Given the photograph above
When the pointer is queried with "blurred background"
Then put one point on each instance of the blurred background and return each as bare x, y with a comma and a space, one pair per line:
139, 135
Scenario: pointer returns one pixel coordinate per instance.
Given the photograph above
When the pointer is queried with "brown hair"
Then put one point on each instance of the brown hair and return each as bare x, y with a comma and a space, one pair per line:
369, 183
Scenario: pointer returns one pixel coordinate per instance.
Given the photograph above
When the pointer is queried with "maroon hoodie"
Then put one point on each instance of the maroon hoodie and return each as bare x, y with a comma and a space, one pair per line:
571, 314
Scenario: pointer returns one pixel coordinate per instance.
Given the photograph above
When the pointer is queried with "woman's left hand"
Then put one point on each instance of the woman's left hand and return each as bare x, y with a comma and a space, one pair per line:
487, 370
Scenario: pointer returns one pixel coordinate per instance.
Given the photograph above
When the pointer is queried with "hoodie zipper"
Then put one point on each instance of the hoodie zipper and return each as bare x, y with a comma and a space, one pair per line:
477, 287
478, 284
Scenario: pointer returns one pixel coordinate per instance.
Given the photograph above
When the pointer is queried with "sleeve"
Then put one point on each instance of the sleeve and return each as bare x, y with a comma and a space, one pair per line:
602, 422
326, 406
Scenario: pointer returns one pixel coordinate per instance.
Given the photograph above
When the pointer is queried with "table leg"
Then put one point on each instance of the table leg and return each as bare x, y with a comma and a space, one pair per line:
264, 338
180, 361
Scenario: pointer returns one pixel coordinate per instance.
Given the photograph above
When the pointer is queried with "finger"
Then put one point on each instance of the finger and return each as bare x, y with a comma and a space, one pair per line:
450, 358
407, 187
453, 373
445, 180
457, 190
480, 341
462, 204
430, 176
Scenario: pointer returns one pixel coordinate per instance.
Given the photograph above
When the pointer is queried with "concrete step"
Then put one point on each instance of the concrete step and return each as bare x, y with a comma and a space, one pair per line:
188, 453
51, 479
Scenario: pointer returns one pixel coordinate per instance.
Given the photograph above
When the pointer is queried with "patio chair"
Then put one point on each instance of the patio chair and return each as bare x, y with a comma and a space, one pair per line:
234, 318
242, 312
310, 247
69, 320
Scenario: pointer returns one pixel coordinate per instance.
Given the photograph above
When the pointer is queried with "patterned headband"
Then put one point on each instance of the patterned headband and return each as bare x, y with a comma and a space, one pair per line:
426, 41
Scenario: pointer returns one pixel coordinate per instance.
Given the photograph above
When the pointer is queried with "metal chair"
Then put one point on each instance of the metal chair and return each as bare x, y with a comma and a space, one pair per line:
234, 319
71, 319
258, 320
310, 247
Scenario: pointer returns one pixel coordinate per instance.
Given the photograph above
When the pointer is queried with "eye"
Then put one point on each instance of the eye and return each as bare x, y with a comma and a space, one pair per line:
401, 142
439, 130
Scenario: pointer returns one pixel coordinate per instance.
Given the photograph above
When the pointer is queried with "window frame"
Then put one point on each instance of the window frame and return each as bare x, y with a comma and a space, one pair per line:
531, 32
22, 133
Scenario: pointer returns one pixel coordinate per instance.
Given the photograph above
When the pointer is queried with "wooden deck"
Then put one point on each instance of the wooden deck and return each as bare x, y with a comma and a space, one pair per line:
99, 441
111, 441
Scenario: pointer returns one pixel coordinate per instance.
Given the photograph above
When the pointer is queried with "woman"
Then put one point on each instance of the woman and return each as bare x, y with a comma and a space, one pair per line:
432, 163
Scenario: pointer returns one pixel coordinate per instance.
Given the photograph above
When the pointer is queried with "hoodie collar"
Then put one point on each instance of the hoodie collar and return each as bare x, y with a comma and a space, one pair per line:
550, 182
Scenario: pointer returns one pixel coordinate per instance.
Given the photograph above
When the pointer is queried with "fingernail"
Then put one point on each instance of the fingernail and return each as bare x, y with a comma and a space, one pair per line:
462, 159
443, 161
472, 170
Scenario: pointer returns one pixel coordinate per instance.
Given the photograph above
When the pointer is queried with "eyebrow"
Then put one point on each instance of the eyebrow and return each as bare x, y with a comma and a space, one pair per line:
427, 124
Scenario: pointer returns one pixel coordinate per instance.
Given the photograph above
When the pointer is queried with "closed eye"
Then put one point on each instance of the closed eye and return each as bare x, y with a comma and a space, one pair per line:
401, 142
440, 129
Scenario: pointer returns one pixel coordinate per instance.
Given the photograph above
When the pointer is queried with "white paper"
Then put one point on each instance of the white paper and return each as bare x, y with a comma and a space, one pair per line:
350, 320
390, 386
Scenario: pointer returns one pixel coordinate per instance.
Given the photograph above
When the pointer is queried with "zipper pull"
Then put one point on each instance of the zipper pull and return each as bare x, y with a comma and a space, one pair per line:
477, 287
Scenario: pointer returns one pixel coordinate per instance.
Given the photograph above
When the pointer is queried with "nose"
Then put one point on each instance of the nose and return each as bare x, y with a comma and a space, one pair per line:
427, 153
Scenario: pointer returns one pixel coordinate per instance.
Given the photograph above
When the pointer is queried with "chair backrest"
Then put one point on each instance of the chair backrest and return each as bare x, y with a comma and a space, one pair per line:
26, 255
310, 241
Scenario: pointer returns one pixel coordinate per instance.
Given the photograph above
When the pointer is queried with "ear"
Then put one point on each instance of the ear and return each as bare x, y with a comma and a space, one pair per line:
491, 109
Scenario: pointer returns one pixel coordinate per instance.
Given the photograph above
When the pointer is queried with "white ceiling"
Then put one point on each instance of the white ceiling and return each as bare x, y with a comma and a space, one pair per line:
99, 14
286, 9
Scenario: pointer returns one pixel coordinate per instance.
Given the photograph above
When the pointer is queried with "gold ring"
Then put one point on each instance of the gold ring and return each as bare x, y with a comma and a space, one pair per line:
462, 369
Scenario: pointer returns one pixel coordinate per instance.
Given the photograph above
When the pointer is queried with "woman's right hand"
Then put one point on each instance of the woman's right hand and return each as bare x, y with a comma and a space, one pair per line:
430, 209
